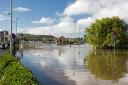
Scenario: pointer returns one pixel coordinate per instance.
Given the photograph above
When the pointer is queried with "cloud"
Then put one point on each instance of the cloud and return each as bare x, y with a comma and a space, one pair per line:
85, 22
44, 20
82, 7
65, 26
1, 29
21, 9
2, 17
59, 14
40, 30
94, 8
98, 8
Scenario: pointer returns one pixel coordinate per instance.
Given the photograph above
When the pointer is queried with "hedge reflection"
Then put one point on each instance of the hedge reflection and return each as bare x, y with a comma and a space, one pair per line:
107, 65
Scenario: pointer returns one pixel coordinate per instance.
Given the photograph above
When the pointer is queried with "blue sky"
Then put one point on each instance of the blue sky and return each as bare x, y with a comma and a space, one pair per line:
39, 8
57, 17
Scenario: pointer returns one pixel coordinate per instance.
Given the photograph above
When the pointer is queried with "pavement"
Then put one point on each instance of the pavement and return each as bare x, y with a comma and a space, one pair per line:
1, 52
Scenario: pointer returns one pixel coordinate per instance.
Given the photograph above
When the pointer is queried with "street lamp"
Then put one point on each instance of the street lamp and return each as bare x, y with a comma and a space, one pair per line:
10, 13
75, 32
74, 45
16, 24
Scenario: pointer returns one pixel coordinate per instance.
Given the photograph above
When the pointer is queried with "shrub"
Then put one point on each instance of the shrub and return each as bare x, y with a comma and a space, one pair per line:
12, 72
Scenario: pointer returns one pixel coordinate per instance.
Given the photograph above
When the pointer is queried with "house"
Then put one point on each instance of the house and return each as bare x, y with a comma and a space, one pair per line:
4, 39
4, 36
62, 41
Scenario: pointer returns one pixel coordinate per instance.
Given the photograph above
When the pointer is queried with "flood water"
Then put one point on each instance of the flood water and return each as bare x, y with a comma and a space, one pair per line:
77, 65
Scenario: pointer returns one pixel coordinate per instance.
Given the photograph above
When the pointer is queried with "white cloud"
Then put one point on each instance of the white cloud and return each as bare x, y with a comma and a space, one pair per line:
1, 29
82, 7
2, 17
98, 8
65, 27
44, 20
59, 14
21, 9
94, 8
38, 30
85, 22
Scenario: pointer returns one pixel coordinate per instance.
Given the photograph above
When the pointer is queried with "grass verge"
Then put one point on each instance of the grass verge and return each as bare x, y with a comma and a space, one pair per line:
12, 72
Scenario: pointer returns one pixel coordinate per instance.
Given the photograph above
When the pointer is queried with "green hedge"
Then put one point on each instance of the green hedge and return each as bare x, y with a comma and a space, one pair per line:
12, 72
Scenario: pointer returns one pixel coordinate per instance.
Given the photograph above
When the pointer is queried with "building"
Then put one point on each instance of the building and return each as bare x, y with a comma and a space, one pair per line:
63, 41
4, 36
4, 39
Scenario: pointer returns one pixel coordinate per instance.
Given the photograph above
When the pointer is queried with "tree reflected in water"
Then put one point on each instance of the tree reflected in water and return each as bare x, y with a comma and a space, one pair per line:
107, 65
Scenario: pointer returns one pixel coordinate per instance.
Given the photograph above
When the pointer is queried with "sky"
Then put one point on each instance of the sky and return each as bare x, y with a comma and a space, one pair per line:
67, 18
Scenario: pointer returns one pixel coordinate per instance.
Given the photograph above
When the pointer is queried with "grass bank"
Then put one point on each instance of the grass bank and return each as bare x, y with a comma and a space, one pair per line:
12, 72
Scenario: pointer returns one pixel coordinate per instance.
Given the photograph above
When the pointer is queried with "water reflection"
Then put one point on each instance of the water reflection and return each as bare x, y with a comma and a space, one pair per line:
107, 65
59, 65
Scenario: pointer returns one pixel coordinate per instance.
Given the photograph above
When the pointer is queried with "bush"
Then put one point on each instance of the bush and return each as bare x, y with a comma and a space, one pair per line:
4, 62
12, 72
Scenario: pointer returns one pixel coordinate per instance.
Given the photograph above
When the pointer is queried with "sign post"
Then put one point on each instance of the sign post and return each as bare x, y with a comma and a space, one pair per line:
114, 38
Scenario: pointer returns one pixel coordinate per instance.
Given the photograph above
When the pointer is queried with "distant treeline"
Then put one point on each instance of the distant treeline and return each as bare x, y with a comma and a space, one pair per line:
51, 39
44, 38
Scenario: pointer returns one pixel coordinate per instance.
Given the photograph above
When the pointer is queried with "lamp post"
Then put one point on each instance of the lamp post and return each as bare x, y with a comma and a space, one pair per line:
10, 13
16, 24
114, 38
75, 32
4, 34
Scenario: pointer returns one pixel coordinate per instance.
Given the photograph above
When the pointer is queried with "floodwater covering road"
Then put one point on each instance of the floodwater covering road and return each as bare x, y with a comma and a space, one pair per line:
77, 65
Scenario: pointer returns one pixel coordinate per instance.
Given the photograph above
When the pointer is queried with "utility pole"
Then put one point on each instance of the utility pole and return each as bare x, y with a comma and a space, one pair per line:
16, 24
4, 34
75, 33
11, 45
74, 48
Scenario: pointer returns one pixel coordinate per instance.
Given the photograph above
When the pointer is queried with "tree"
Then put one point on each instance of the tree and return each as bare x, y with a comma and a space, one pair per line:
101, 33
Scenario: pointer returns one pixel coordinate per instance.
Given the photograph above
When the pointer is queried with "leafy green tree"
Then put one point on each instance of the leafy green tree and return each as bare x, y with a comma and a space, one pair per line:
101, 33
